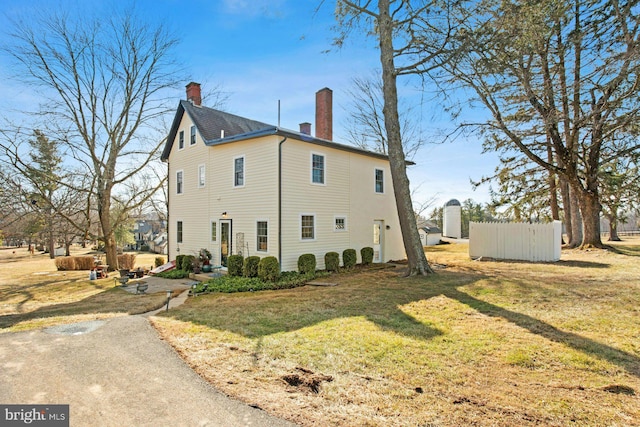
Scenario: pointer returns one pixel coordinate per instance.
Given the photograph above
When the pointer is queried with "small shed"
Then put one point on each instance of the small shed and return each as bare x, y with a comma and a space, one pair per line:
430, 236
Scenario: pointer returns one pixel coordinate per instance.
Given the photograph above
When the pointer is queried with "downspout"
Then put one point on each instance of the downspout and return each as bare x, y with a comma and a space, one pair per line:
168, 222
280, 202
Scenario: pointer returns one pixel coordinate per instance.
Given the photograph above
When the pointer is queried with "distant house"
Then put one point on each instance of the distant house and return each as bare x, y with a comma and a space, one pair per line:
239, 186
159, 244
142, 234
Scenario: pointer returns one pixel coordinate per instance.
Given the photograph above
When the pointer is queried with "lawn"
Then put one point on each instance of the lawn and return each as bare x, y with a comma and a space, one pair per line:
479, 343
33, 294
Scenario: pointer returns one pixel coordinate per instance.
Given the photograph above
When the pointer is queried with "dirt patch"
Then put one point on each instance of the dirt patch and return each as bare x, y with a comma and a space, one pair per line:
305, 379
619, 389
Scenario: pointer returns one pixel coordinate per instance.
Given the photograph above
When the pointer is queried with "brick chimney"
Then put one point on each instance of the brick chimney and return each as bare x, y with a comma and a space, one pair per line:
305, 128
324, 114
193, 93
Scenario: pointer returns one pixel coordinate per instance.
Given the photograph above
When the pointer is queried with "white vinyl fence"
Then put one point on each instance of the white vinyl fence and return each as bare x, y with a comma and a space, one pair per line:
518, 241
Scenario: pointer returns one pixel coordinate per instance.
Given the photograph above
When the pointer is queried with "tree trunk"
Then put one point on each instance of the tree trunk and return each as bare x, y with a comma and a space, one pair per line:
111, 252
566, 204
613, 228
52, 246
418, 264
110, 249
553, 186
576, 219
590, 209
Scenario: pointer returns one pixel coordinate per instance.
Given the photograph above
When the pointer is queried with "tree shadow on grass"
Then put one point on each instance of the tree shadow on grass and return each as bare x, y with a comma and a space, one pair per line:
581, 264
259, 314
112, 300
628, 250
380, 301
623, 359
27, 293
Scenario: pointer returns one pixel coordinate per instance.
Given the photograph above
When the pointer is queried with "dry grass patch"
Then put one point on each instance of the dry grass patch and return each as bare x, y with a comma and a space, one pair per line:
480, 343
33, 294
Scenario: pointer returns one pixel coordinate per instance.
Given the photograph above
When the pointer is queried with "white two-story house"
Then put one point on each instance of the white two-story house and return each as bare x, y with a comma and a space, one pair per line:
238, 186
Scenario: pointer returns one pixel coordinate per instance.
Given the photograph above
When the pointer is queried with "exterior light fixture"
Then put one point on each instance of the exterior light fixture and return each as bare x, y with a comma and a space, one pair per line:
224, 214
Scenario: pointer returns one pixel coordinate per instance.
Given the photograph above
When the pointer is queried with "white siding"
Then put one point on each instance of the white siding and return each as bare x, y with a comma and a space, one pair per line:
198, 206
348, 191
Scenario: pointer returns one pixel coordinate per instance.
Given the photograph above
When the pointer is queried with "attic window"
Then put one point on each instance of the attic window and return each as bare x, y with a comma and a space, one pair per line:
181, 140
193, 135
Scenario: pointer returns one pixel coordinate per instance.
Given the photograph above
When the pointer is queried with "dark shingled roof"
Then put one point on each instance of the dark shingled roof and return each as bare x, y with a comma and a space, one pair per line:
453, 202
210, 123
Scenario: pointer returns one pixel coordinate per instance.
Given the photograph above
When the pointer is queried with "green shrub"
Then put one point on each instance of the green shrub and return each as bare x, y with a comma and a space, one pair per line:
367, 255
331, 261
250, 267
126, 261
234, 265
144, 248
307, 264
159, 261
179, 259
187, 263
269, 269
226, 283
349, 258
173, 274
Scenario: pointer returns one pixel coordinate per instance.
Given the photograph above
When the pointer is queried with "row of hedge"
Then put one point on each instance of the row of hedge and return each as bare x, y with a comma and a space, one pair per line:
266, 269
88, 262
307, 262
229, 284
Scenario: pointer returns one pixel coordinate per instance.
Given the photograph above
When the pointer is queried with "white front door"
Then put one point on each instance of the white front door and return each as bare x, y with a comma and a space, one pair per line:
378, 240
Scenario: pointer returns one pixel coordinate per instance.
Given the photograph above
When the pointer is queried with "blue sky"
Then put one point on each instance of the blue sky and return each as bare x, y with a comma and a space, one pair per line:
262, 51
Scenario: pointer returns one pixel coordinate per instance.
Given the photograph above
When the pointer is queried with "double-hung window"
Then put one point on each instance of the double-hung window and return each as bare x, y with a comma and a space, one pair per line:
179, 231
238, 171
262, 236
379, 178
193, 136
201, 175
181, 140
307, 227
179, 182
317, 168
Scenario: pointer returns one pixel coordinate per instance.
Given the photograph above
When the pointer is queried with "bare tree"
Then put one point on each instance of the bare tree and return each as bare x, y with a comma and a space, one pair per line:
105, 82
365, 120
413, 38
